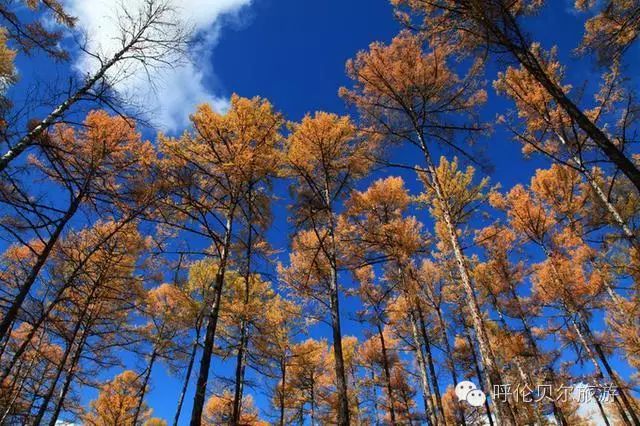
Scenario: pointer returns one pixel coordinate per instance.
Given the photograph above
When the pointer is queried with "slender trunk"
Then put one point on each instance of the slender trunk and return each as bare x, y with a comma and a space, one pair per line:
283, 369
59, 293
504, 411
375, 397
548, 370
621, 389
387, 376
313, 403
450, 362
13, 310
65, 356
239, 377
429, 360
212, 322
143, 386
424, 381
17, 392
356, 388
25, 343
67, 382
336, 328
526, 379
187, 377
244, 334
598, 370
603, 414
341, 382
479, 375
582, 328
5, 343
600, 193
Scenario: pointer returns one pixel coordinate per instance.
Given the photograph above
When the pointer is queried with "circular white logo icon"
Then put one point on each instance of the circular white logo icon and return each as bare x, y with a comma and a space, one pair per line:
468, 391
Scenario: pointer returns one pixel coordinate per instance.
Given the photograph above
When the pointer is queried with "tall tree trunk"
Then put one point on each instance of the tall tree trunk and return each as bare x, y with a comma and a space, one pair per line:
283, 370
74, 335
375, 398
548, 370
621, 388
143, 387
187, 377
430, 364
479, 375
587, 348
313, 403
5, 343
212, 322
336, 328
450, 362
68, 380
582, 328
356, 389
424, 380
387, 375
244, 333
504, 412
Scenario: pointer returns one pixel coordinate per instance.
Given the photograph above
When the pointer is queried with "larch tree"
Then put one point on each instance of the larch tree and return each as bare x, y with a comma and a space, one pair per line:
309, 379
501, 281
211, 170
325, 156
219, 411
376, 229
117, 403
94, 318
171, 313
282, 323
612, 30
407, 95
497, 26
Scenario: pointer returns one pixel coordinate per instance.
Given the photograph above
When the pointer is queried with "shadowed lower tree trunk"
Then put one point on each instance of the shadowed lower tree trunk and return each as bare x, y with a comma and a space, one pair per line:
387, 375
187, 376
424, 379
212, 323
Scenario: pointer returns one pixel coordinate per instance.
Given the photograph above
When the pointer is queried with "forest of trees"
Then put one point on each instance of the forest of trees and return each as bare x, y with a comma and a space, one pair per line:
126, 252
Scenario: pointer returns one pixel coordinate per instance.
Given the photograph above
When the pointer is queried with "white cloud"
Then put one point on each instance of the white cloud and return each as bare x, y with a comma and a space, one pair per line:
175, 92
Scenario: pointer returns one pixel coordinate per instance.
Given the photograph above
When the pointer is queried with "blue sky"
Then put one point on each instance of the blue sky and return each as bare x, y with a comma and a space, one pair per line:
293, 52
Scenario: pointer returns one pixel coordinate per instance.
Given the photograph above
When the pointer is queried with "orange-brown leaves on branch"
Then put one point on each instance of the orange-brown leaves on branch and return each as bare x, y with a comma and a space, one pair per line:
116, 403
37, 34
218, 411
106, 158
212, 167
400, 90
325, 156
612, 30
374, 223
